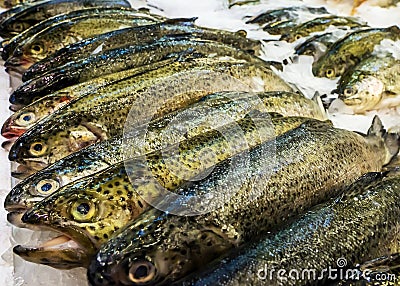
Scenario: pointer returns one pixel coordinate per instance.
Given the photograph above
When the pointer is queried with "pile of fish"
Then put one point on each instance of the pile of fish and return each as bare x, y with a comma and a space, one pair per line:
355, 3
369, 78
161, 152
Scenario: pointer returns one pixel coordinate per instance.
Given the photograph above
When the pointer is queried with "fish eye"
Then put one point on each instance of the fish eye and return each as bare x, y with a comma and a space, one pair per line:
241, 33
47, 186
330, 73
348, 91
18, 27
37, 48
38, 149
83, 210
297, 37
142, 272
26, 119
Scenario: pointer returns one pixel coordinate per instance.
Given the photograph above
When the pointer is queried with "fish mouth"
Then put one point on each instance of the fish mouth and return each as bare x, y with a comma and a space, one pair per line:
15, 71
15, 107
15, 218
23, 172
350, 100
17, 64
32, 164
16, 206
11, 131
61, 252
70, 249
7, 145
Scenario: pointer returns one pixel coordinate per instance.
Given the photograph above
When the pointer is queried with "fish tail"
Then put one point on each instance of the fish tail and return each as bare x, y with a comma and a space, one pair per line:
317, 99
391, 138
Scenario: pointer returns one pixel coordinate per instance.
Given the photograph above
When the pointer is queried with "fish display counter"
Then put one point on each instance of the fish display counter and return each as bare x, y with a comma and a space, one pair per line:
213, 143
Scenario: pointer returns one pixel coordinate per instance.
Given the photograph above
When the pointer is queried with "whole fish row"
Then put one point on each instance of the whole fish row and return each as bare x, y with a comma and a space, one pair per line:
156, 149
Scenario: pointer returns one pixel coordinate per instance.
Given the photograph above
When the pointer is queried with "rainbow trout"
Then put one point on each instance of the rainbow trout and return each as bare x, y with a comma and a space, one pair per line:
138, 35
320, 24
102, 115
111, 191
12, 3
239, 202
124, 58
352, 49
372, 84
360, 224
316, 46
61, 34
9, 45
41, 107
42, 10
282, 14
213, 111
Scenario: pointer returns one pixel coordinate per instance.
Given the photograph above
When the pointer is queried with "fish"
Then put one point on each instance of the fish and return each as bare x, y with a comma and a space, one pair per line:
239, 202
212, 112
29, 115
284, 14
112, 192
9, 45
6, 14
233, 3
102, 115
12, 3
317, 45
358, 225
320, 24
63, 33
139, 35
119, 59
280, 27
372, 84
43, 10
351, 49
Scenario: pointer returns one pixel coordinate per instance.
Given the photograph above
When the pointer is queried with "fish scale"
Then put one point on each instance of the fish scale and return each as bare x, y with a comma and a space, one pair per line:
103, 114
312, 163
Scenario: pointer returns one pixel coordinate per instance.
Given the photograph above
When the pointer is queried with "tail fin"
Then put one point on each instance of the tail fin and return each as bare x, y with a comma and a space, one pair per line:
376, 127
391, 139
317, 99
